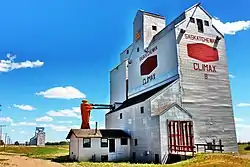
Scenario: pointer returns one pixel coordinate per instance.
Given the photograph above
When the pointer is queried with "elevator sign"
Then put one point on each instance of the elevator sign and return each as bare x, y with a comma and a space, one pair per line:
204, 54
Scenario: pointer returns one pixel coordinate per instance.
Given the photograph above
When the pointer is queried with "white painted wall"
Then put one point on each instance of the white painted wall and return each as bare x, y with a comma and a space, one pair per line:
208, 100
122, 152
164, 72
118, 83
73, 147
141, 126
124, 55
148, 22
85, 154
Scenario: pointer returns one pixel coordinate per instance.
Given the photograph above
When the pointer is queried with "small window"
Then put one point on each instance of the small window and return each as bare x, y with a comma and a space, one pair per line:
154, 28
191, 19
127, 51
120, 115
200, 25
104, 142
138, 49
142, 110
124, 141
206, 23
135, 142
87, 142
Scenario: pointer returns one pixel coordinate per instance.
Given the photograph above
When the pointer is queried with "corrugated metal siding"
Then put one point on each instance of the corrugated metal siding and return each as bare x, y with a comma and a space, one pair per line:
118, 78
208, 100
140, 126
163, 99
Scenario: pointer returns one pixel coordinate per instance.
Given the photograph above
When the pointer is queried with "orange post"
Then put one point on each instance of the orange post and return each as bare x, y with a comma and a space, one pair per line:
85, 112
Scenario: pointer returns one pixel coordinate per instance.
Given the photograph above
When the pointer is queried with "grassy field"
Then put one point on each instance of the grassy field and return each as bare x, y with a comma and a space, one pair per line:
241, 149
208, 160
59, 154
48, 152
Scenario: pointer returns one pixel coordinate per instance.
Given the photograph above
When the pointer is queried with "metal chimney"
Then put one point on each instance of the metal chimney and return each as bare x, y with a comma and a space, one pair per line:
95, 127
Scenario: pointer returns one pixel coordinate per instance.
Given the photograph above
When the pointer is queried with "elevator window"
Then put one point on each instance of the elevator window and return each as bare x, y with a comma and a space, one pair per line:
154, 28
200, 25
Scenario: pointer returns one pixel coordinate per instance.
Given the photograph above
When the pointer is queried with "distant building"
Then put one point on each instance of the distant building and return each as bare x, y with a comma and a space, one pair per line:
39, 138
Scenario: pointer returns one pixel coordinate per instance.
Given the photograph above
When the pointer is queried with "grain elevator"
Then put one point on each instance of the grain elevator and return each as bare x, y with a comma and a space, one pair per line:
171, 88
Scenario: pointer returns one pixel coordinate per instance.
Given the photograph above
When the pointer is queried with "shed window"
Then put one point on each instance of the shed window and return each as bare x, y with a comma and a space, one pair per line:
154, 28
120, 115
135, 142
86, 142
206, 23
104, 142
142, 110
127, 51
200, 25
138, 49
124, 141
191, 19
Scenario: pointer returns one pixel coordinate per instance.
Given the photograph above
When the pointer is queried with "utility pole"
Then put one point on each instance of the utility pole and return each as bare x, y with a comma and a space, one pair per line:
1, 126
5, 141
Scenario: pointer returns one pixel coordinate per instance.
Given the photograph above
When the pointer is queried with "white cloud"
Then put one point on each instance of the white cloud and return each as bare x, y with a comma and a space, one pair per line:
10, 64
231, 28
22, 132
76, 109
241, 130
24, 107
58, 128
231, 76
65, 112
74, 127
24, 118
62, 113
24, 124
44, 119
13, 130
5, 119
238, 119
243, 105
64, 122
68, 92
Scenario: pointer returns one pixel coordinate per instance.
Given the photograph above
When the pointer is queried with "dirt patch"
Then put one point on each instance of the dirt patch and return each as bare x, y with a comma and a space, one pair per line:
21, 161
245, 156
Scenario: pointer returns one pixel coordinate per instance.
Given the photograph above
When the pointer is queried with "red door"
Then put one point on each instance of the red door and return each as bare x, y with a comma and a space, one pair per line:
180, 136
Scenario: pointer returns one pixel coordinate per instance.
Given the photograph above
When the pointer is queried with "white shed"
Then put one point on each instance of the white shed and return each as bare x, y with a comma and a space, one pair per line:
99, 145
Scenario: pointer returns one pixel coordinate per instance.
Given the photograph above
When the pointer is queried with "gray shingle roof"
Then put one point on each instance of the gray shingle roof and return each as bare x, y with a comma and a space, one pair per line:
100, 133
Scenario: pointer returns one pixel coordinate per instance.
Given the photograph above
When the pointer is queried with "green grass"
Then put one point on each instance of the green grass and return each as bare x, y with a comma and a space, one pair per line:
241, 149
47, 152
59, 154
202, 160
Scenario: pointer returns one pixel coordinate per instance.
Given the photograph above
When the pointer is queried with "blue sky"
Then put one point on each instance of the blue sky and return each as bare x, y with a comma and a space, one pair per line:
61, 51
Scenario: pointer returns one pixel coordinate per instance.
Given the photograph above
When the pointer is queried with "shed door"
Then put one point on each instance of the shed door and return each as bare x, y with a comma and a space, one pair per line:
180, 136
111, 145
